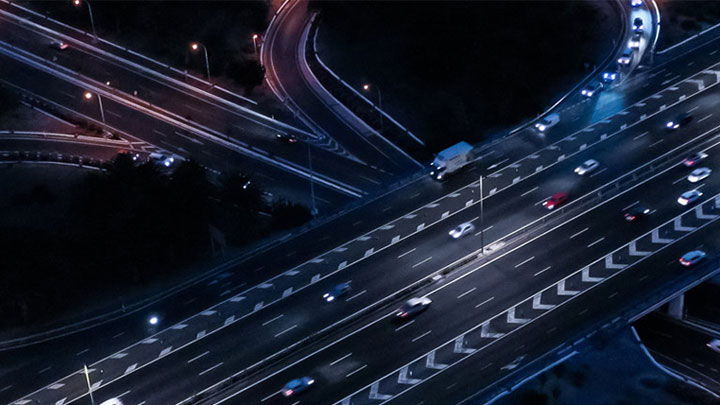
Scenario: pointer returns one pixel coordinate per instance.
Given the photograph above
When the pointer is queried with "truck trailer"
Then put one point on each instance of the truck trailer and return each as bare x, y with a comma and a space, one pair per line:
450, 160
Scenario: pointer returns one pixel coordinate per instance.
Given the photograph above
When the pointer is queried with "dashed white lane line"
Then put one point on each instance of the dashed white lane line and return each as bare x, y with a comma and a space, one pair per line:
635, 138
73, 96
704, 118
141, 403
466, 292
613, 294
211, 369
672, 79
421, 262
693, 109
272, 320
414, 195
542, 271
123, 394
679, 180
355, 371
524, 262
405, 325
6, 388
197, 357
113, 113
407, 253
81, 352
655, 143
421, 336
631, 205
598, 172
269, 396
579, 233
160, 133
341, 359
356, 223
44, 370
286, 330
596, 242
484, 230
529, 191
356, 295
190, 301
484, 302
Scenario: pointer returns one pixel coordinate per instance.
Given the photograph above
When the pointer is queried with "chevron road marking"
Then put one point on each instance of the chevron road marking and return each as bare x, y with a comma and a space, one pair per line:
460, 346
610, 265
587, 278
561, 290
403, 377
374, 394
678, 226
430, 362
657, 239
485, 332
512, 319
538, 305
635, 252
714, 72
700, 83
700, 215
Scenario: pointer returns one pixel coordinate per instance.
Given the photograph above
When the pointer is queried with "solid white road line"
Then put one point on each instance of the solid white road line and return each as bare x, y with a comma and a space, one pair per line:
578, 234
197, 357
407, 253
356, 295
407, 324
421, 336
484, 302
272, 320
286, 330
466, 292
211, 368
542, 271
596, 242
524, 262
355, 371
421, 262
341, 359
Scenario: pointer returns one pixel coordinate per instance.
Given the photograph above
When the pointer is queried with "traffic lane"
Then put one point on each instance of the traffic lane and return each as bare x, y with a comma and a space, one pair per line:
499, 276
584, 315
168, 137
258, 134
680, 347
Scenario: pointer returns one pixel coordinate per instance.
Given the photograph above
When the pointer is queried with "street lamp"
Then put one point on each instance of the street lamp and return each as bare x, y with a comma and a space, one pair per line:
366, 87
88, 96
78, 3
87, 378
194, 47
255, 37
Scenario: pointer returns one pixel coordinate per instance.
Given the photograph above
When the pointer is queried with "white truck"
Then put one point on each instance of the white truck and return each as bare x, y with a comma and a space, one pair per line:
450, 160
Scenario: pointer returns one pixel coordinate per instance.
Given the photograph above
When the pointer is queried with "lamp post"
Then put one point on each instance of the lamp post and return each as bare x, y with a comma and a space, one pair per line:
88, 96
78, 3
366, 87
87, 378
195, 46
255, 37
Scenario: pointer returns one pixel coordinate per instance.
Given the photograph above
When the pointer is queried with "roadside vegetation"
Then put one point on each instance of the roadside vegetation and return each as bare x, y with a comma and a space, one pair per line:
127, 226
460, 70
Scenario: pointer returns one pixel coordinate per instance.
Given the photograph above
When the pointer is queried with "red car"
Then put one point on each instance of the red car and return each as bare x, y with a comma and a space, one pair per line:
557, 200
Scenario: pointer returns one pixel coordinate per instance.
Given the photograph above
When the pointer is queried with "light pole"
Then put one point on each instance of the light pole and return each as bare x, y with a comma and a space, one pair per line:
87, 378
366, 87
313, 210
194, 46
78, 3
255, 37
88, 96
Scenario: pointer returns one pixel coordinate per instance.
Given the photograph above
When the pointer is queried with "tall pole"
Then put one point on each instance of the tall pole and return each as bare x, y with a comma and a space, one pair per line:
482, 217
102, 110
92, 20
313, 210
207, 62
382, 129
254, 37
87, 378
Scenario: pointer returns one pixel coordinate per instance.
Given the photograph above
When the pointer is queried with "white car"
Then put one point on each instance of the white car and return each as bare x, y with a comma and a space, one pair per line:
162, 159
636, 3
591, 89
689, 197
634, 41
462, 230
587, 167
714, 345
548, 122
699, 174
626, 58
413, 306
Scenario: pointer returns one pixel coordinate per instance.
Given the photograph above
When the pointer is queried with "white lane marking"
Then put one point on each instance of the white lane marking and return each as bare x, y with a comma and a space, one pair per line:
598, 172
356, 295
529, 191
113, 113
616, 293
160, 133
484, 230
704, 118
118, 335
631, 205
269, 396
679, 180
123, 394
484, 302
655, 143
421, 262
286, 330
672, 79
542, 271
6, 388
82, 352
198, 356
407, 324
44, 370
421, 336
578, 234
341, 359
524, 262
68, 94
466, 292
407, 253
189, 138
355, 371
640, 136
693, 109
596, 242
272, 320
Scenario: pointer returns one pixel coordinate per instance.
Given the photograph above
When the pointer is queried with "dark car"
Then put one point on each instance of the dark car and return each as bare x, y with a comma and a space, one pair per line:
337, 292
287, 138
59, 45
679, 121
694, 159
297, 386
637, 212
638, 26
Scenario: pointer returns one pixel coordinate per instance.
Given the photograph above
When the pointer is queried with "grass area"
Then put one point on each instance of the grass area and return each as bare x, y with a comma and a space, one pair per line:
681, 19
457, 70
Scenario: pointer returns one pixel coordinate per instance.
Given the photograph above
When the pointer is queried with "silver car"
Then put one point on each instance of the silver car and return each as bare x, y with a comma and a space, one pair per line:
587, 167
